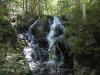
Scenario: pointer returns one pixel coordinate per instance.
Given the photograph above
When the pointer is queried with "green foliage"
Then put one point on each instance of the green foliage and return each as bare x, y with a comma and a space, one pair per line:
3, 10
84, 36
11, 59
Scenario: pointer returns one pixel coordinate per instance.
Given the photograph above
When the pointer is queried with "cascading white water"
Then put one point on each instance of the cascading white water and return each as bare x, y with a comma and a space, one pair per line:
53, 37
32, 51
29, 50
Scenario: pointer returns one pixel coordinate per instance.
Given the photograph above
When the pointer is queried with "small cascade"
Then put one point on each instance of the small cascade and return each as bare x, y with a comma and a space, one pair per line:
43, 61
56, 33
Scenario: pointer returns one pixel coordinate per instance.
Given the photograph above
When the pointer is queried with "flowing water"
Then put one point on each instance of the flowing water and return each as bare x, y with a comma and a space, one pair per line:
45, 61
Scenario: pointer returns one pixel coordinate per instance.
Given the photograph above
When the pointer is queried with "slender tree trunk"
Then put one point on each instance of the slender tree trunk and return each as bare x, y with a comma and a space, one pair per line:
23, 5
26, 5
84, 11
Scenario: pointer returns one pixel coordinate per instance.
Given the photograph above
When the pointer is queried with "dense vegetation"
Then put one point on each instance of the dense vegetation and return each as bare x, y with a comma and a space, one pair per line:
82, 28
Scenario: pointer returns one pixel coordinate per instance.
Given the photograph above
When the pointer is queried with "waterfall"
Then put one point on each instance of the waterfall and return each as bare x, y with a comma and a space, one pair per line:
54, 36
35, 55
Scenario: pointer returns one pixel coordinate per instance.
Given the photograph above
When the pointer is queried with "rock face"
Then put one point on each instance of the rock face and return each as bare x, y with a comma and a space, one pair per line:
46, 54
87, 64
